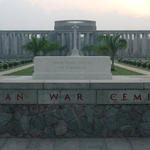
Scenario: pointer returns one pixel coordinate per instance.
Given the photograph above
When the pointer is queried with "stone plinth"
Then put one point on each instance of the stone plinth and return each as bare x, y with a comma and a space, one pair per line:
72, 68
43, 109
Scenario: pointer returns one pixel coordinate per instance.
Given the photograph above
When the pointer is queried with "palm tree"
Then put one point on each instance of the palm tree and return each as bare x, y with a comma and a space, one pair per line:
33, 46
48, 46
37, 45
109, 45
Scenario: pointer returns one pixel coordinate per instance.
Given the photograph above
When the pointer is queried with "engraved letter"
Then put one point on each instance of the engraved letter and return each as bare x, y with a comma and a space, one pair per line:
112, 97
139, 97
67, 97
20, 97
53, 96
7, 97
124, 97
79, 97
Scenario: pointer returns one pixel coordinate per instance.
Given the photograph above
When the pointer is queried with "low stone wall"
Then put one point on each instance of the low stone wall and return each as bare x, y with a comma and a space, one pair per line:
69, 110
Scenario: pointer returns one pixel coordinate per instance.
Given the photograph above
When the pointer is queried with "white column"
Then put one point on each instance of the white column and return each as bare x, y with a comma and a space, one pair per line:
144, 44
87, 37
70, 40
62, 39
79, 40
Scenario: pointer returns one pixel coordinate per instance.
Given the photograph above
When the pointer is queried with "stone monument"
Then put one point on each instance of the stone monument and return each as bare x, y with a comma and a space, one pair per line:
73, 67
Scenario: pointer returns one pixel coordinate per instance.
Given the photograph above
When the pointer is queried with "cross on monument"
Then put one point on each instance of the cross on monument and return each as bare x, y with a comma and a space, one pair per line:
75, 51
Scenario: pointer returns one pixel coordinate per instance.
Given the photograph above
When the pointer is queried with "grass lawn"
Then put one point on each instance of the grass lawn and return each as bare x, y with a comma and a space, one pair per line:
118, 71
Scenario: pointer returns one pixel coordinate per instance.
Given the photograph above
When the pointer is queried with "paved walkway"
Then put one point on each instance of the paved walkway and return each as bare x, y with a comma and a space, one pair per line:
16, 69
133, 69
76, 144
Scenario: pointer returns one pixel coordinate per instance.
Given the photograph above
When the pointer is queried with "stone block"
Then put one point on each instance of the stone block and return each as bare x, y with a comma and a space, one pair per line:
18, 97
67, 97
78, 97
79, 85
123, 97
147, 86
117, 86
21, 86
49, 97
72, 68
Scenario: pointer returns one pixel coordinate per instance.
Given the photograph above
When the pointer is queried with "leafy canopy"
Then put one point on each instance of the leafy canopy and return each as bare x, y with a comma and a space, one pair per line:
37, 45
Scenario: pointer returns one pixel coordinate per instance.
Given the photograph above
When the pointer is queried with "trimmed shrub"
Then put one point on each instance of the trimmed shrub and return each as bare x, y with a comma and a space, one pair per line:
1, 66
5, 66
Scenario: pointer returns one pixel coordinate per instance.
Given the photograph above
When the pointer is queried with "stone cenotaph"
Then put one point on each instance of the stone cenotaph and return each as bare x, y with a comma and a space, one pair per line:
73, 67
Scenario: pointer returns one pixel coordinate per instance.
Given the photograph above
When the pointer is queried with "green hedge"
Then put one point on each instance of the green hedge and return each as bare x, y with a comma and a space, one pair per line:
10, 63
139, 62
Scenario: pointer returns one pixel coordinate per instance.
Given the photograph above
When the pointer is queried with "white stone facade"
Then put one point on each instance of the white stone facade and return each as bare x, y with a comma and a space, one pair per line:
72, 68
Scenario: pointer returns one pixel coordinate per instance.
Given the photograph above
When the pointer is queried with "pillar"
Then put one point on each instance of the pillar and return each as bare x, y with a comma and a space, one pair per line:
144, 44
70, 40
62, 39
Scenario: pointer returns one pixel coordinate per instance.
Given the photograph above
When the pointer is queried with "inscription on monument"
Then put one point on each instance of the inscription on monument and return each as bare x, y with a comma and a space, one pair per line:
18, 97
74, 96
123, 97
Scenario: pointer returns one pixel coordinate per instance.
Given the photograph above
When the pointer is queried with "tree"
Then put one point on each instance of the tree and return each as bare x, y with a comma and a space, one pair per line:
109, 45
33, 46
37, 45
48, 46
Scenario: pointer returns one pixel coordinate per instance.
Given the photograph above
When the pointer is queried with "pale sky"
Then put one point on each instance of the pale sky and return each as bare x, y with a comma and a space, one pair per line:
41, 14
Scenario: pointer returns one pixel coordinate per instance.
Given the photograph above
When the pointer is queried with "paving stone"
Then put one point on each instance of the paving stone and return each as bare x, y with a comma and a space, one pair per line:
92, 144
140, 143
16, 144
3, 142
67, 144
118, 144
47, 144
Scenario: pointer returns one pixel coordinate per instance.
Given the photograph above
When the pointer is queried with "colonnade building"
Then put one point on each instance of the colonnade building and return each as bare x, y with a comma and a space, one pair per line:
11, 42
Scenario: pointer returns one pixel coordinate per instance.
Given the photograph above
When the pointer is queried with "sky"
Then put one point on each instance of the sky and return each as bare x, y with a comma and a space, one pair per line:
41, 14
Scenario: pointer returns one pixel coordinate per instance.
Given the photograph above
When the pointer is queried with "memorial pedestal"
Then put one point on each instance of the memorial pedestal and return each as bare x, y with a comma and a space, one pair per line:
72, 68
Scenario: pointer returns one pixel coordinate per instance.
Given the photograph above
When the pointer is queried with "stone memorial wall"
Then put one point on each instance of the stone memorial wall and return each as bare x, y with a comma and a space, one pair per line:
74, 109
11, 42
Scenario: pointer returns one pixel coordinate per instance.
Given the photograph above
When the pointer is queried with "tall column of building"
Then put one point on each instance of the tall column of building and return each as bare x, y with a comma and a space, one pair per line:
130, 44
6, 43
1, 50
79, 40
19, 44
70, 40
87, 36
139, 45
92, 39
144, 44
2, 43
62, 39
135, 45
127, 48
121, 52
148, 47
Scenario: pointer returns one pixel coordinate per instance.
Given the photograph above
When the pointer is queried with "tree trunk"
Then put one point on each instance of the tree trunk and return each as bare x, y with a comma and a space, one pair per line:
112, 65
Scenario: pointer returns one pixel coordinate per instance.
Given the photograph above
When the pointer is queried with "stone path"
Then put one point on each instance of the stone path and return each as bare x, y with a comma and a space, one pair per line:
133, 69
75, 144
16, 69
